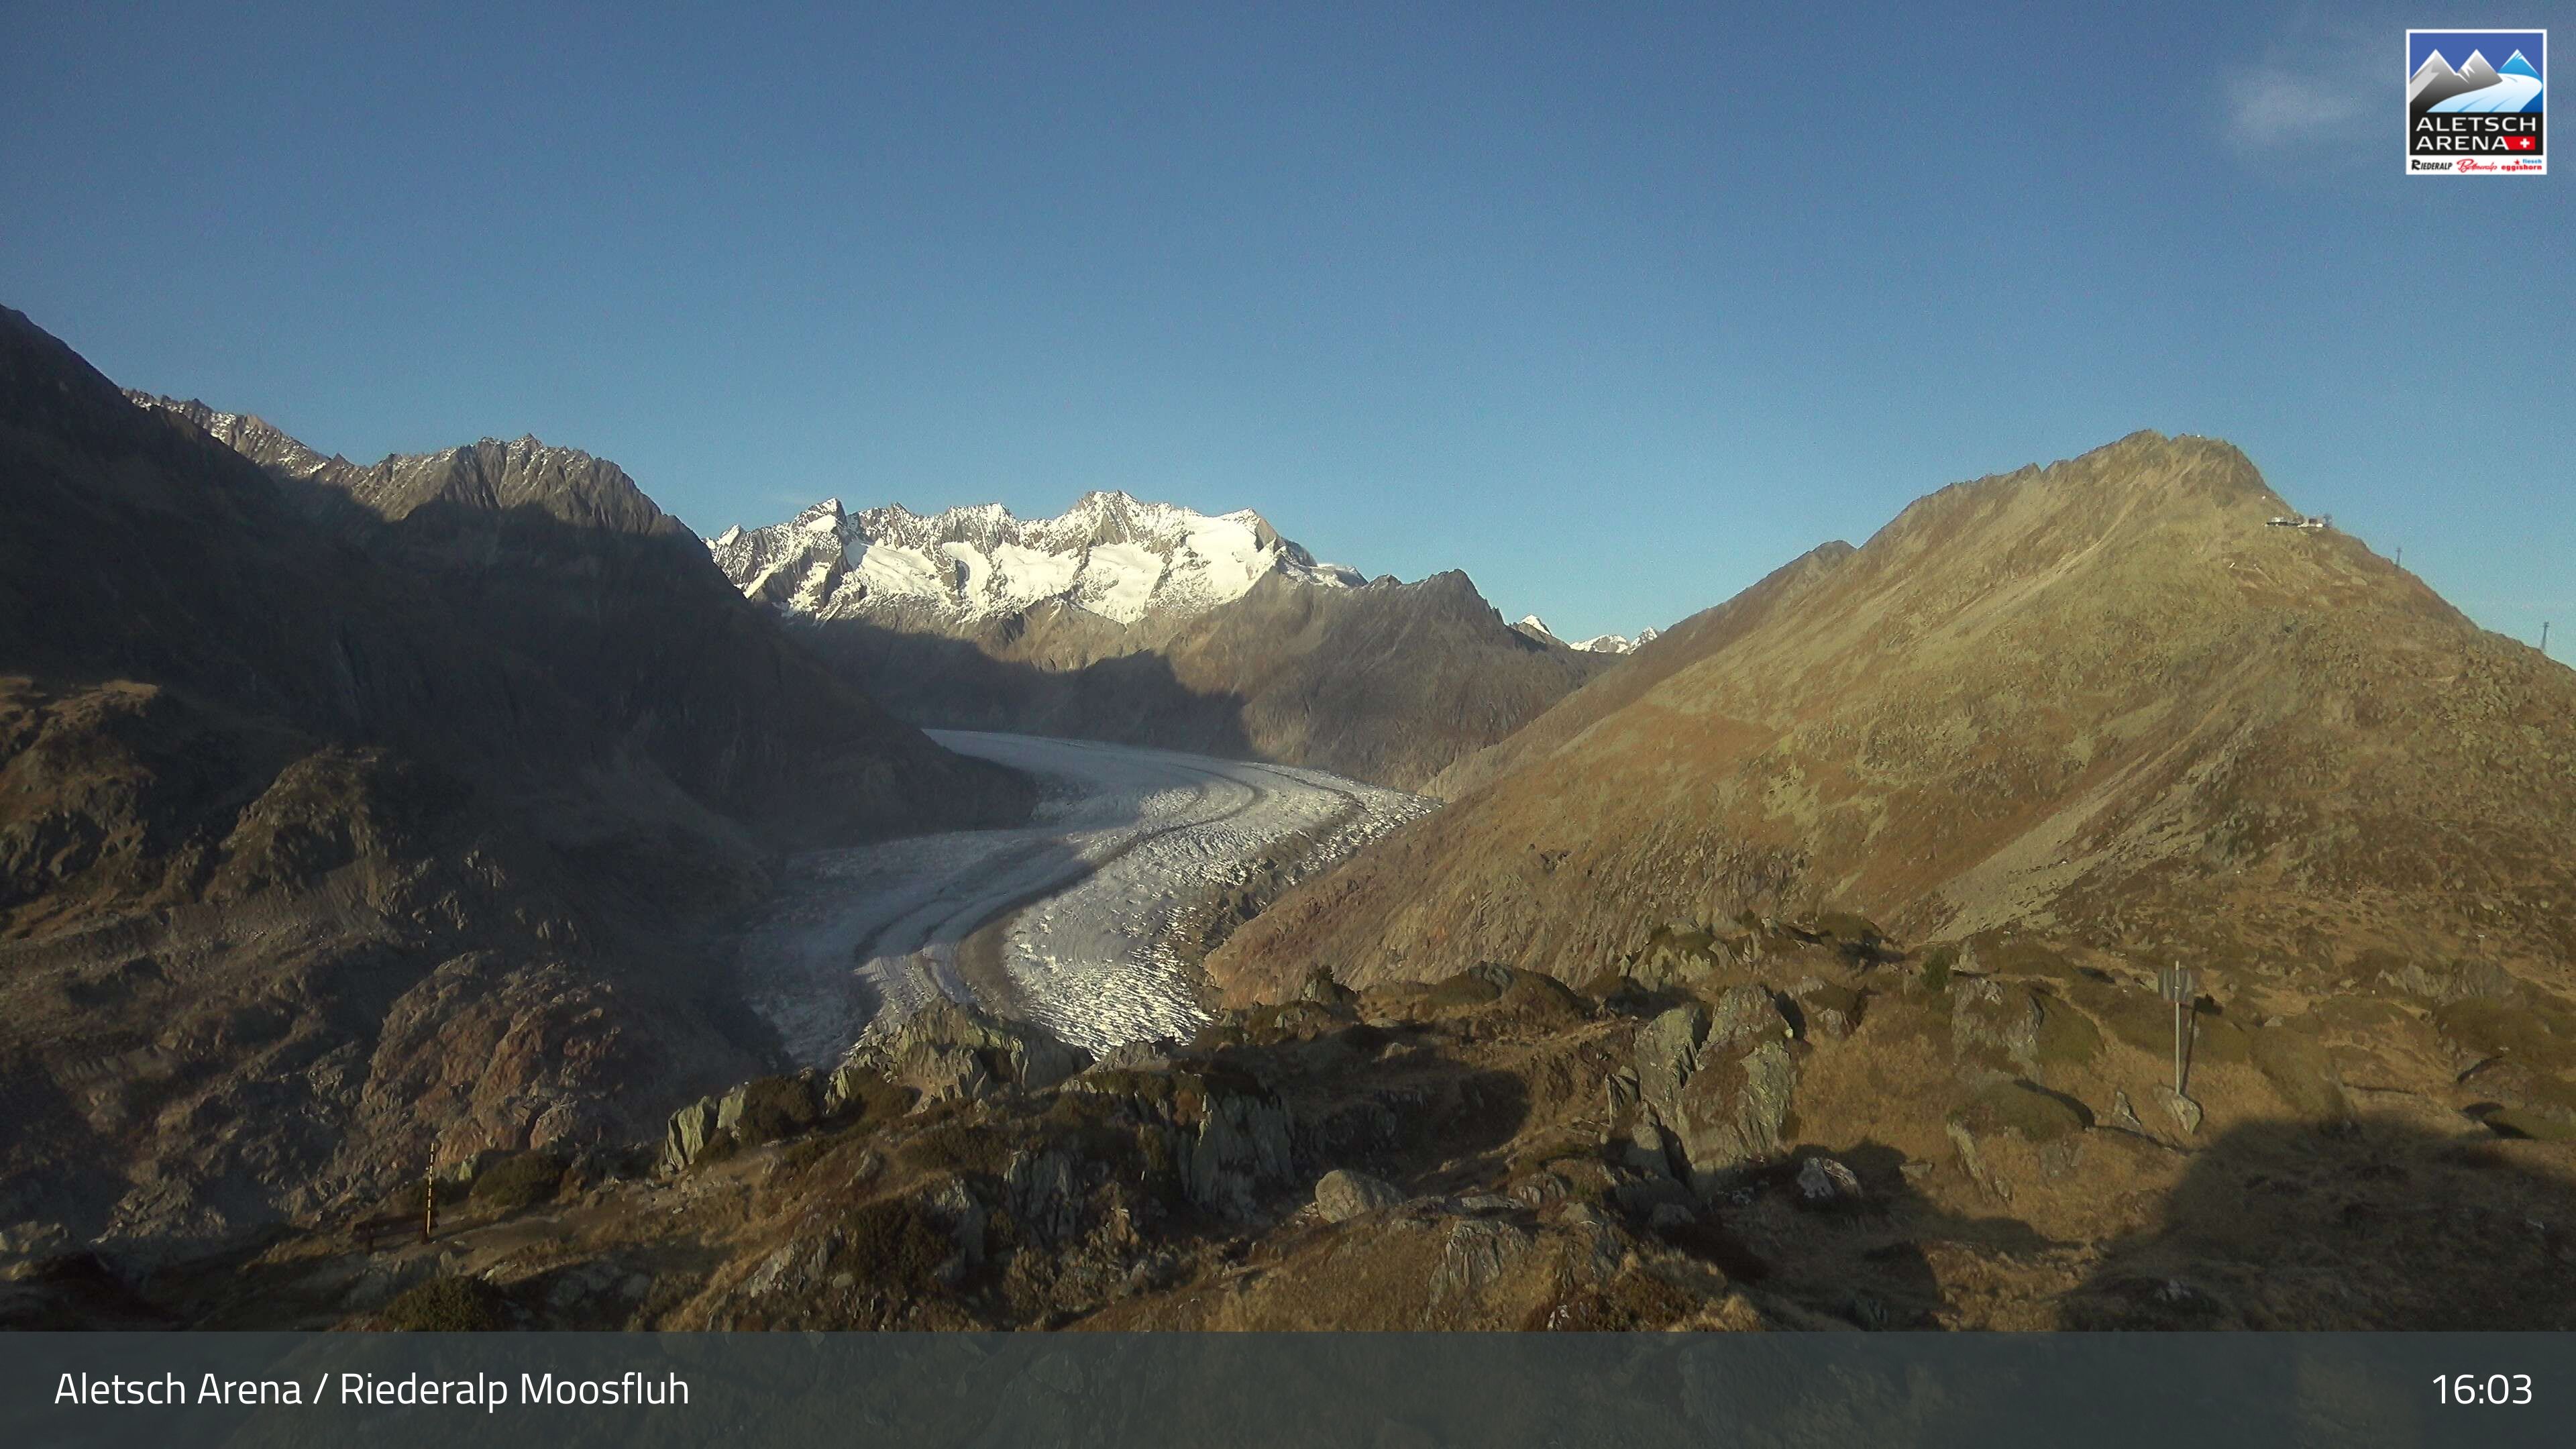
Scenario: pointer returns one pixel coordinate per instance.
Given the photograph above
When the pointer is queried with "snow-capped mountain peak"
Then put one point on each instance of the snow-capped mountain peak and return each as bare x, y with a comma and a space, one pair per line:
1110, 554
1536, 628
1618, 643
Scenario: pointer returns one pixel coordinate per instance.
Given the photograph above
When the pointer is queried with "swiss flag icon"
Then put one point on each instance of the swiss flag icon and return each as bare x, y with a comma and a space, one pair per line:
2522, 143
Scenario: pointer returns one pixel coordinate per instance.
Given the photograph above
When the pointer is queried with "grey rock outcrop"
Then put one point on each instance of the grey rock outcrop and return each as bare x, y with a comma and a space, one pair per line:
1245, 1143
1718, 1082
1480, 1253
1341, 1195
685, 1140
2186, 1112
1994, 1028
768, 1108
762, 1110
1822, 1179
948, 1051
1045, 1192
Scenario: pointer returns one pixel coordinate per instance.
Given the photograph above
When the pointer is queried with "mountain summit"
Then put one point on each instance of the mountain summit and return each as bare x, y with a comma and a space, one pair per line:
1109, 554
1153, 624
359, 819
2100, 700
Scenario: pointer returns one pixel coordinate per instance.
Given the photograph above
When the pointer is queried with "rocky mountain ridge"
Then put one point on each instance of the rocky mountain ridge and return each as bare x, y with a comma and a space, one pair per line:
355, 819
1109, 554
2099, 704
1150, 624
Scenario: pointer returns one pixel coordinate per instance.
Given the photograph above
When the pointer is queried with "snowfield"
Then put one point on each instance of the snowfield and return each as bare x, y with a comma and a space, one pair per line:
1125, 841
1109, 554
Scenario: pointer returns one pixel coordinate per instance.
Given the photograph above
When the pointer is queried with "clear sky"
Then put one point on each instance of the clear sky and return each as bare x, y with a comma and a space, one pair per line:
1614, 307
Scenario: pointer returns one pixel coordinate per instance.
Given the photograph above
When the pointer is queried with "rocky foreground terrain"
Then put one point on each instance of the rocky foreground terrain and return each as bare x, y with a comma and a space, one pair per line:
1789, 1125
354, 819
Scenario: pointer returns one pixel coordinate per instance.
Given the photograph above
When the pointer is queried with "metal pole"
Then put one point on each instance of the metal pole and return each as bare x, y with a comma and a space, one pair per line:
2177, 984
2544, 636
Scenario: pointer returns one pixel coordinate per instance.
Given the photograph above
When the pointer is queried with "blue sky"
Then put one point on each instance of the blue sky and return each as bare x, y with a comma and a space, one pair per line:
1616, 308
2457, 46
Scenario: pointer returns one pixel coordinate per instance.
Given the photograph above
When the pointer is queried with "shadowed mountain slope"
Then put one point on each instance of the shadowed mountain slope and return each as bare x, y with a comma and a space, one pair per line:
2100, 701
352, 821
1149, 624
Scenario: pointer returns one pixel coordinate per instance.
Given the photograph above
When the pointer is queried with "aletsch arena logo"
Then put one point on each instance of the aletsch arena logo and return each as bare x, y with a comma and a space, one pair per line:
2474, 102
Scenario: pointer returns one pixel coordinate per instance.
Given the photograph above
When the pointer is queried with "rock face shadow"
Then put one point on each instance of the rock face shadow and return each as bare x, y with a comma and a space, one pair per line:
1861, 1260
2379, 1225
940, 682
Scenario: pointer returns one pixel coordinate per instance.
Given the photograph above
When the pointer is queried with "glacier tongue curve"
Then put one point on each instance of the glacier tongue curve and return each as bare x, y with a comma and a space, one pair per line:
1126, 843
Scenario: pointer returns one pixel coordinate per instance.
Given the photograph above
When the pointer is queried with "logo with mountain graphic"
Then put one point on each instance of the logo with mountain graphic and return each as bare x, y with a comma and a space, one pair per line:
2470, 114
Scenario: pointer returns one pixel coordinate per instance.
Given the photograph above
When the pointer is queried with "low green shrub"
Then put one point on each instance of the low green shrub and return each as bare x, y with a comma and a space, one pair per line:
957, 1147
448, 1305
892, 1244
523, 1179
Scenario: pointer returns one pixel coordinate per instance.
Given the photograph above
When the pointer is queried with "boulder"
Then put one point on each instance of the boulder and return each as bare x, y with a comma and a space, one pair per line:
1734, 1112
1718, 1081
768, 1108
1341, 1195
2186, 1112
2124, 1113
1619, 1093
1823, 1180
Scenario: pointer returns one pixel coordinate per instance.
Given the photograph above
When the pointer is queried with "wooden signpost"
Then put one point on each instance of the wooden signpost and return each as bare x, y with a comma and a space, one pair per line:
2178, 984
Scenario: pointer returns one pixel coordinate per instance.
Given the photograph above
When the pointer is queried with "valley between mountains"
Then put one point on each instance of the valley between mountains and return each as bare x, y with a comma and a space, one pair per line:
1129, 920
1088, 922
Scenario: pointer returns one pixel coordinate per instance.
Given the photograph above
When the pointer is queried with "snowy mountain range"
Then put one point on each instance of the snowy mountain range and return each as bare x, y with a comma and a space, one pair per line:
1536, 628
1153, 624
2476, 86
1109, 554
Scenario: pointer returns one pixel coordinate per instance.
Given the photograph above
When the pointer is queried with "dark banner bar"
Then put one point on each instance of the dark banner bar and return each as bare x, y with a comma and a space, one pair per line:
2171, 1391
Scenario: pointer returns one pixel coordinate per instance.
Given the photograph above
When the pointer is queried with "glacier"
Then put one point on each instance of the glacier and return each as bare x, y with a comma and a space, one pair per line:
1084, 901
